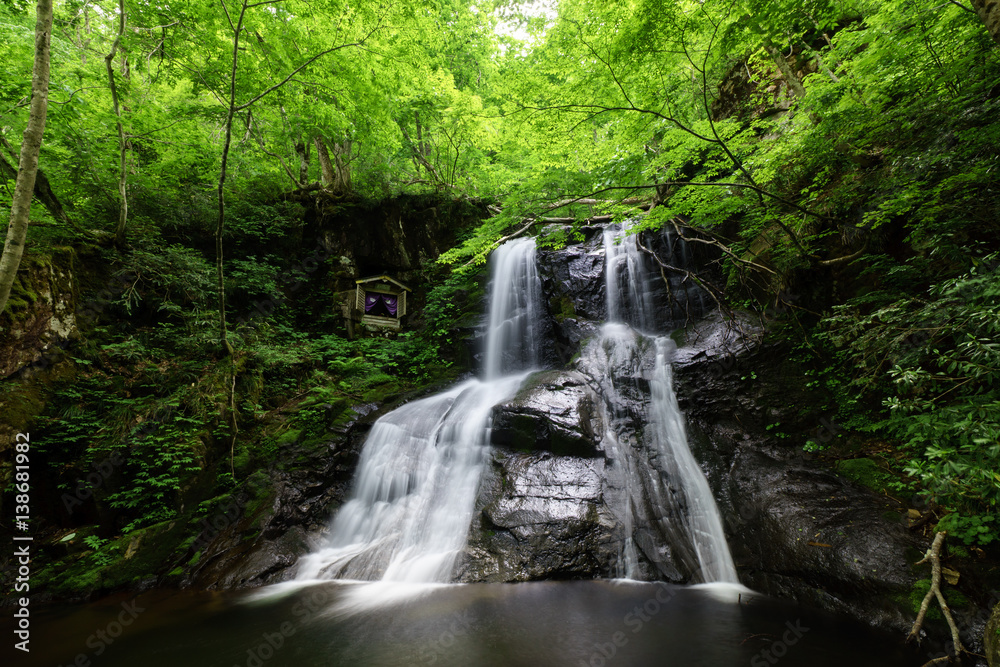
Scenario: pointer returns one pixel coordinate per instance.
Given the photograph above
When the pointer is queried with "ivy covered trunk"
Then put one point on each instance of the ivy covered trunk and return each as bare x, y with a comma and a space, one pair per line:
989, 12
30, 147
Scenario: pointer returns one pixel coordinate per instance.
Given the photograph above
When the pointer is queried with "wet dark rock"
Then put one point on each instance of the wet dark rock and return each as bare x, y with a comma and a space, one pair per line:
801, 531
542, 517
554, 411
796, 529
573, 280
573, 288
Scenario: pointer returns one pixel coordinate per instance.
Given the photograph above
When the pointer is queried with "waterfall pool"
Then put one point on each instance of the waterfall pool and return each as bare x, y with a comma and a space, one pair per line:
541, 624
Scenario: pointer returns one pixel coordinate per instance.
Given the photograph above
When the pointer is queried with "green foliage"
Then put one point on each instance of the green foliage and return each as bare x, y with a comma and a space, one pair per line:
935, 360
156, 464
451, 302
94, 542
176, 280
976, 529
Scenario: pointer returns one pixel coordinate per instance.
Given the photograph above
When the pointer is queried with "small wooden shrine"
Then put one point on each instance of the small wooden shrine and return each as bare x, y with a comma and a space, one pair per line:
381, 301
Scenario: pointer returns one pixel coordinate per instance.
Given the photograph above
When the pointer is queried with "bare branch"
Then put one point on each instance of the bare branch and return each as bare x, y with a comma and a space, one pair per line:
968, 9
933, 556
229, 18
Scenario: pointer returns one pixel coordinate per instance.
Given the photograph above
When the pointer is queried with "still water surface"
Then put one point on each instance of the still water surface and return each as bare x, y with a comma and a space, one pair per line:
542, 624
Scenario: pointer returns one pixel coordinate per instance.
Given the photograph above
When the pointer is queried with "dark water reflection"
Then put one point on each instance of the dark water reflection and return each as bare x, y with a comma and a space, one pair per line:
572, 624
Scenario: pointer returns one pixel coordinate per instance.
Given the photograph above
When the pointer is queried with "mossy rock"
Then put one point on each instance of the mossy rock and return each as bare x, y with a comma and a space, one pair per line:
138, 556
955, 599
288, 437
991, 638
865, 472
562, 308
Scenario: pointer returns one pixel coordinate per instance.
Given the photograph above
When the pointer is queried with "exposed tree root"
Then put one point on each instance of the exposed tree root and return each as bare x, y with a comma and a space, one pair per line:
933, 556
943, 660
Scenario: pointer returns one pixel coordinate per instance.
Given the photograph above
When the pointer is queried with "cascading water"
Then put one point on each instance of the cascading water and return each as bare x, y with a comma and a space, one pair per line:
698, 515
626, 280
635, 289
674, 496
420, 467
513, 333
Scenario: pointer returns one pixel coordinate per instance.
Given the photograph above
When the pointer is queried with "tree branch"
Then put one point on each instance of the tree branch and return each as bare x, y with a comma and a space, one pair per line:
684, 272
308, 62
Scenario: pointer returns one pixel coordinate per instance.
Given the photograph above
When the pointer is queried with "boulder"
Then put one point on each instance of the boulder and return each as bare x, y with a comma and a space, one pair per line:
541, 517
555, 411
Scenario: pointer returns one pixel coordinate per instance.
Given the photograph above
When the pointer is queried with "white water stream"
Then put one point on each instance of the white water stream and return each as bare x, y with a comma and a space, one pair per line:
415, 490
681, 497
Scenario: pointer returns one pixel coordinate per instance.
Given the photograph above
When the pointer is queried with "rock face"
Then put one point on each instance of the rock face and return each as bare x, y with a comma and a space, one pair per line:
276, 518
395, 236
41, 313
807, 534
555, 411
991, 638
796, 529
573, 278
541, 517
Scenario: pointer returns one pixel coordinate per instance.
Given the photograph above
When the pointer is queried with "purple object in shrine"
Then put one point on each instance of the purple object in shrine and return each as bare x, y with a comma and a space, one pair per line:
381, 304
390, 302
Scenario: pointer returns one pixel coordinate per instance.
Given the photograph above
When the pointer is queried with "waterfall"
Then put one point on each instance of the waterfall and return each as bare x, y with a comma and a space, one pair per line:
515, 298
699, 518
669, 491
637, 293
628, 279
420, 468
617, 359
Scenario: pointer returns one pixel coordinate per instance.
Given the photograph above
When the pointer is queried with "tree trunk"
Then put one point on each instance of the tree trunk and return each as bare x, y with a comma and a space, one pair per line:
84, 41
43, 190
422, 146
326, 165
794, 84
122, 145
989, 13
342, 165
302, 150
24, 187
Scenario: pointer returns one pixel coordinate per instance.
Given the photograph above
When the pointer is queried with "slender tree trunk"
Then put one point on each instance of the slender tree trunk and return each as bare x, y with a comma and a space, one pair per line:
122, 144
227, 349
989, 13
24, 187
422, 146
84, 41
794, 84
